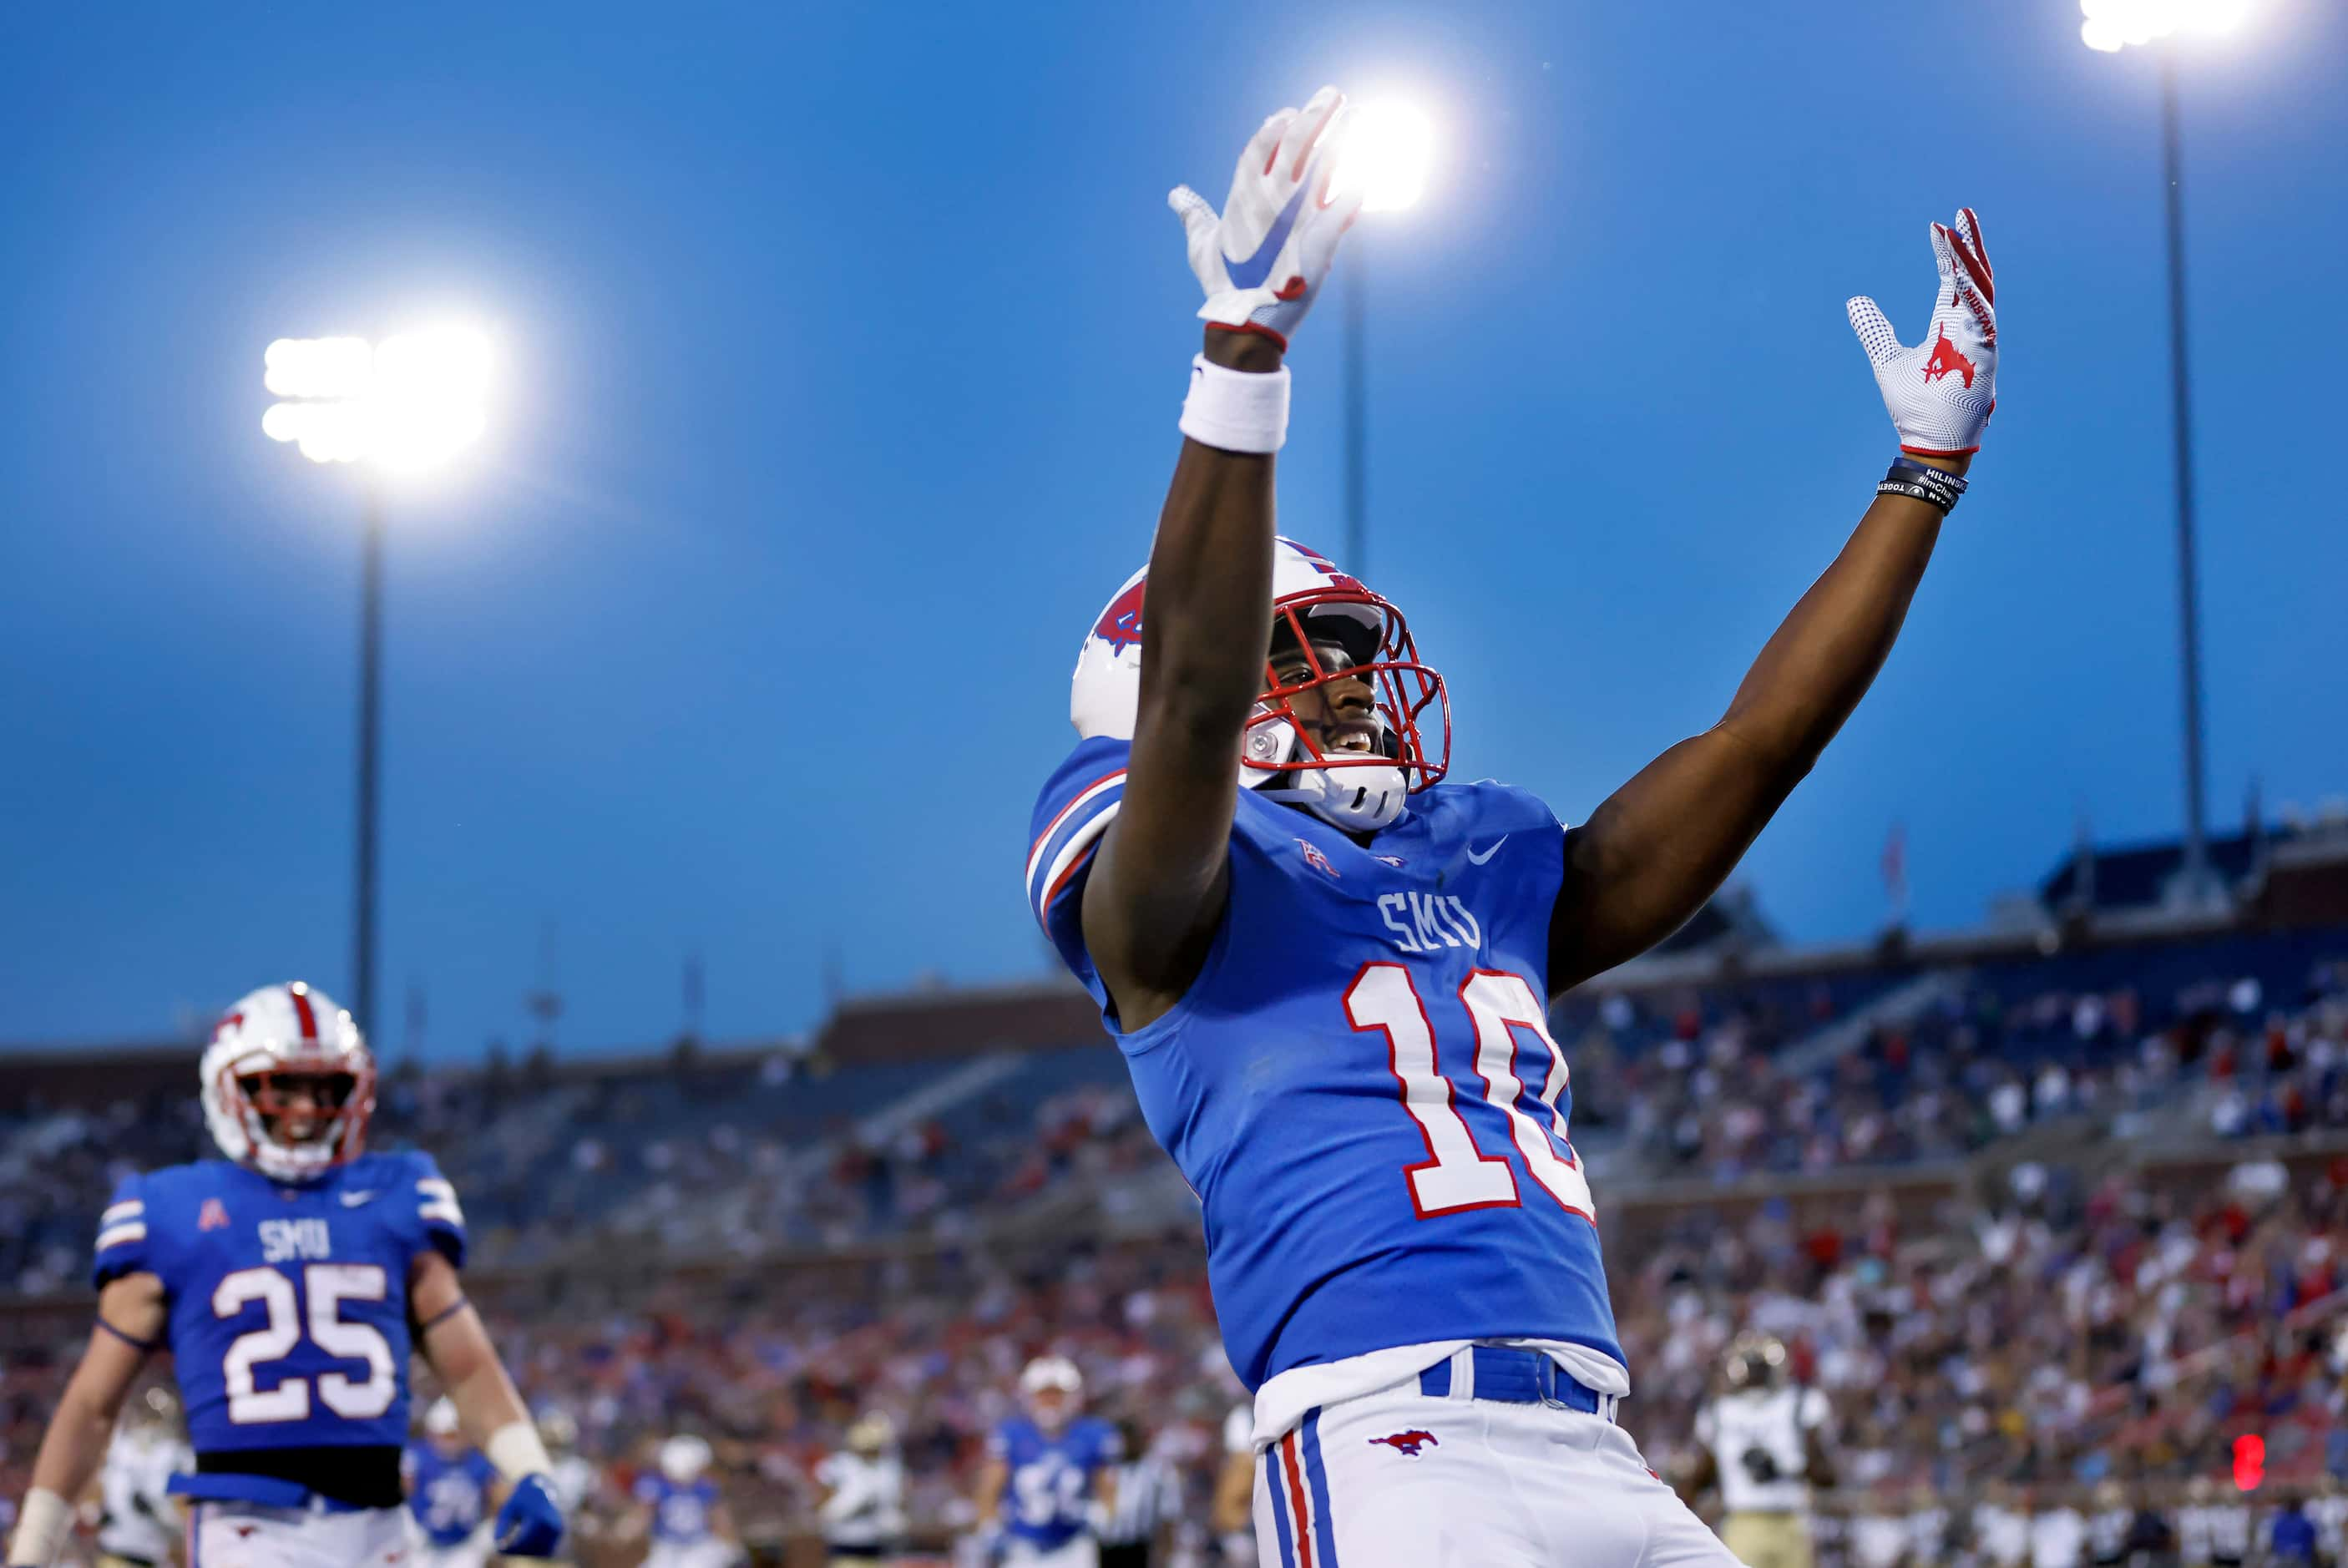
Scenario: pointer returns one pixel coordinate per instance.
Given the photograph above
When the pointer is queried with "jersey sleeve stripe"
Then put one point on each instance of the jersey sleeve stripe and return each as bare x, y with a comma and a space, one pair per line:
435, 1187
121, 1212
1063, 849
1074, 808
1072, 860
136, 1231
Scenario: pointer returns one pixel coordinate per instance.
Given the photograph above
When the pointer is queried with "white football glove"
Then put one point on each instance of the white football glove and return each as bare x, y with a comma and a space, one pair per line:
1940, 393
1262, 260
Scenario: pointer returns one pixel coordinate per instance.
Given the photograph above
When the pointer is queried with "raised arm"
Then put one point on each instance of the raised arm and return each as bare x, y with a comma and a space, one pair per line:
1158, 885
1659, 846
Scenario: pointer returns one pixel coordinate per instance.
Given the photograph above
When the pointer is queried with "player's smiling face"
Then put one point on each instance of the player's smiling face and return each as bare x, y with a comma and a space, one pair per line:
299, 1107
1340, 716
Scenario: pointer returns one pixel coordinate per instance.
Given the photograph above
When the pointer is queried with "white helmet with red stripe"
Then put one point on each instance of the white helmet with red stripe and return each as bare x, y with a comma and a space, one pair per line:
273, 1042
1314, 606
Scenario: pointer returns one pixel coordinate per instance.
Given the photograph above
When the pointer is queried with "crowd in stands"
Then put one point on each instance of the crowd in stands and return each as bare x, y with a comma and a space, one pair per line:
1702, 1090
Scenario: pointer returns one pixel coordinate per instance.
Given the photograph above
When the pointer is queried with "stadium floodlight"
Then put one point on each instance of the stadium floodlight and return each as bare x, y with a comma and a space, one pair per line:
402, 407
1388, 149
409, 404
2111, 25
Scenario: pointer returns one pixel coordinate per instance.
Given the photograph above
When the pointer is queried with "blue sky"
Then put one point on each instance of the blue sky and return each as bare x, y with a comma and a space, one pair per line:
843, 347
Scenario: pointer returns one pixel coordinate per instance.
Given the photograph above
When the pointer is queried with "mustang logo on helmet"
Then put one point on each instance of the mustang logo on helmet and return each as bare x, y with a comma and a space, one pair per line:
1120, 624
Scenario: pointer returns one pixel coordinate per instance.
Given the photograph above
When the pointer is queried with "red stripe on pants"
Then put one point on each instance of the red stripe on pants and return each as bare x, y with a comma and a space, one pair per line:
1296, 1502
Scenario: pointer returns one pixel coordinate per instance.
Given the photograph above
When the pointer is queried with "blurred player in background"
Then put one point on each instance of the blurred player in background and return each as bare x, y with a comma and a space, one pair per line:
1050, 1477
289, 1280
2213, 1529
1232, 1511
1145, 1502
574, 1480
1762, 1443
449, 1487
862, 1508
1329, 970
138, 1522
682, 1511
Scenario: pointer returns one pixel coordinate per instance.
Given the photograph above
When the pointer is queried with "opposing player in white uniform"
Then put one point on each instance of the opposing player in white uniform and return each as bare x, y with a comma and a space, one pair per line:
574, 1480
1762, 1443
138, 1521
1329, 968
863, 1505
1234, 1502
289, 1280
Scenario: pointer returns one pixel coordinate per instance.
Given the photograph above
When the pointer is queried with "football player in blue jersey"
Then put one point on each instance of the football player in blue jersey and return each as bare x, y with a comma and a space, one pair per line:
290, 1281
449, 1487
1329, 966
1050, 1473
682, 1511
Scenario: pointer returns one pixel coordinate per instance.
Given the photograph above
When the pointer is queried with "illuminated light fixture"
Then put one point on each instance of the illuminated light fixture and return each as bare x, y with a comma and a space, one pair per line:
2112, 25
1387, 149
410, 403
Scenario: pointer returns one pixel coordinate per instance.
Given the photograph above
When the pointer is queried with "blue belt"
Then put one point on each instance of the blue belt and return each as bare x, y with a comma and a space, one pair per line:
1513, 1377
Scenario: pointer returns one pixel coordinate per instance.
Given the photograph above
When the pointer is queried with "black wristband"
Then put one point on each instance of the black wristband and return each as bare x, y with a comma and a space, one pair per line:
1936, 488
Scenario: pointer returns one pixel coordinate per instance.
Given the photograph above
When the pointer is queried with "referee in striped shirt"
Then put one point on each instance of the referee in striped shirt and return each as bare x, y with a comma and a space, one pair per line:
1149, 1499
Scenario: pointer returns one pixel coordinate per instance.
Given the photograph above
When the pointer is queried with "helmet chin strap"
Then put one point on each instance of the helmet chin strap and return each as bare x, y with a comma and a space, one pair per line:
1359, 799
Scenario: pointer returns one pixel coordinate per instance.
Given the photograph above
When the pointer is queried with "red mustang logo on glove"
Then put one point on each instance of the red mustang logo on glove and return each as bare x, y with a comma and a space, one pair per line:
1408, 1443
1946, 358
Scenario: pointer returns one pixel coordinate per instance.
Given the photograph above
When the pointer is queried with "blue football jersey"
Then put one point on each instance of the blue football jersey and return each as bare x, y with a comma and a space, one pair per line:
681, 1514
449, 1494
288, 1304
1360, 1084
1051, 1476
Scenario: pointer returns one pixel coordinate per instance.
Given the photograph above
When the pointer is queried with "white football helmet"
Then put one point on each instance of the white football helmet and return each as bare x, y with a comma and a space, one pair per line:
277, 1034
1312, 602
683, 1459
873, 1433
1051, 1388
440, 1418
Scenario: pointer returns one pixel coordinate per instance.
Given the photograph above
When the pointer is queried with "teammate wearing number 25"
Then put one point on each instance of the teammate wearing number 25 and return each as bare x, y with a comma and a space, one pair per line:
1329, 968
290, 1282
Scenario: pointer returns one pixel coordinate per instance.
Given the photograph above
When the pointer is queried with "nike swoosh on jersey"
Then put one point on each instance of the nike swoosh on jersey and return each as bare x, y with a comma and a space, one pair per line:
1250, 273
1475, 859
353, 1200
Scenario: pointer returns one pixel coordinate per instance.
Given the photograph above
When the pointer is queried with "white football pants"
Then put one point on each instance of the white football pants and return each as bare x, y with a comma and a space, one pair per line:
1079, 1552
710, 1552
248, 1535
1490, 1485
473, 1552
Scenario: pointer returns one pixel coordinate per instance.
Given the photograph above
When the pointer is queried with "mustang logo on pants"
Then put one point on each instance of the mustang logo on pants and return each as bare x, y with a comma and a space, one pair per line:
1409, 1442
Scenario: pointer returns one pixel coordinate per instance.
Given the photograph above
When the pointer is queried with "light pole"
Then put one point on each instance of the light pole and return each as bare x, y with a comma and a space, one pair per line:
401, 407
2110, 26
1387, 148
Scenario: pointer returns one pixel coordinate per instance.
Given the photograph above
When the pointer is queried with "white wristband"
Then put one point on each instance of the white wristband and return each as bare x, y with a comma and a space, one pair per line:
1238, 410
517, 1451
42, 1526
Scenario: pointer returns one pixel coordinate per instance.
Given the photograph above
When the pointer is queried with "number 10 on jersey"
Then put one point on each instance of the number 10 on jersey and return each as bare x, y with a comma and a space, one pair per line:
1457, 1174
